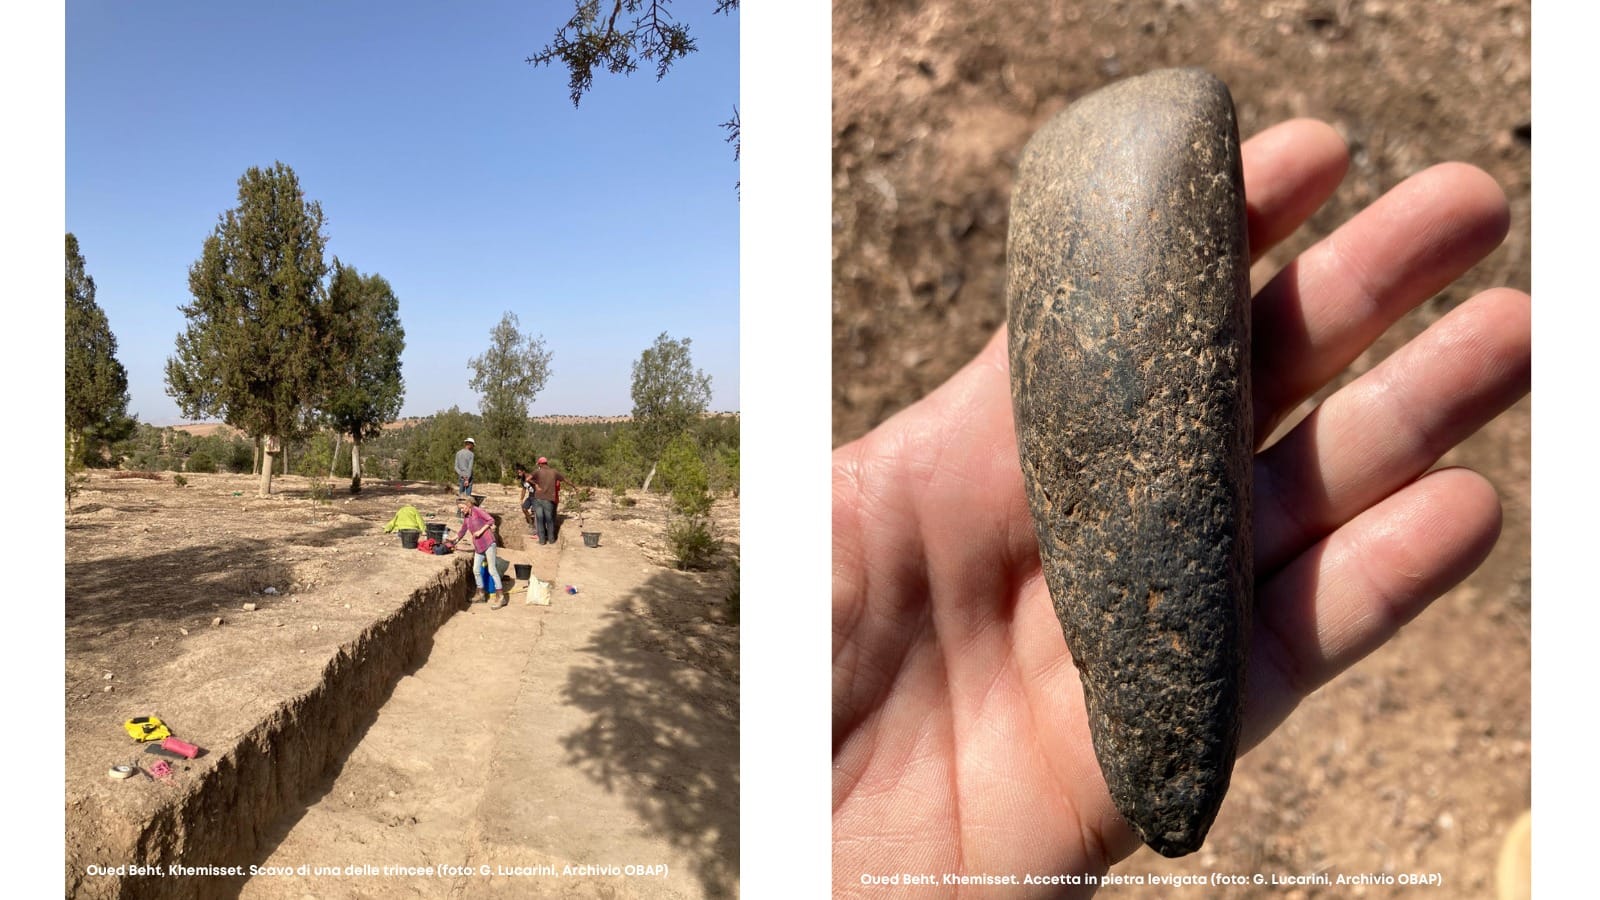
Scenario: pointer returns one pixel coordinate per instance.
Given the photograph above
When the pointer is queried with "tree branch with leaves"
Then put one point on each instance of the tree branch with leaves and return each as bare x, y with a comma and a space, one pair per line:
587, 42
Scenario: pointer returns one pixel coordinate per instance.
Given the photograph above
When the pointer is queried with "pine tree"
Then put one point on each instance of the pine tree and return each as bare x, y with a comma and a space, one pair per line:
252, 351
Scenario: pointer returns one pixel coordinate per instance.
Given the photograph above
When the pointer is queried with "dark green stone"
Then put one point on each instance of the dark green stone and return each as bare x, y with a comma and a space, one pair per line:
1128, 285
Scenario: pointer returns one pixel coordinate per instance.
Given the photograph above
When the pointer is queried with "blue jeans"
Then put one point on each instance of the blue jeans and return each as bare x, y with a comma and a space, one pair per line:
544, 520
478, 560
465, 489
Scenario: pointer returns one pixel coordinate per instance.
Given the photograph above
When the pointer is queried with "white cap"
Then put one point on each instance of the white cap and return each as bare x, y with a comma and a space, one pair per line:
469, 441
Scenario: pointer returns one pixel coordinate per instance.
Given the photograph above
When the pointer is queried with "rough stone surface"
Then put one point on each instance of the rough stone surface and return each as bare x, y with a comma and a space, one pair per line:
1128, 288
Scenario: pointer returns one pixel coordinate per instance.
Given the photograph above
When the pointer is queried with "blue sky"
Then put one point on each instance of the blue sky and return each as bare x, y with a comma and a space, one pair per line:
442, 161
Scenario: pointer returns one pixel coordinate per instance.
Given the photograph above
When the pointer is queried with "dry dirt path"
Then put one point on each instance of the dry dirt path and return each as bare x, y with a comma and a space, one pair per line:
581, 734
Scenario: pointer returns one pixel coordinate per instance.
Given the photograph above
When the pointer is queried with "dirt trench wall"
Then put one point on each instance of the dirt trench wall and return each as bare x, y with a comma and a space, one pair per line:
228, 817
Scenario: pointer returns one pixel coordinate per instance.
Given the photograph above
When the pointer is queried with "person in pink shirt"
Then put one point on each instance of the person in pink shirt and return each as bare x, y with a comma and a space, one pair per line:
480, 525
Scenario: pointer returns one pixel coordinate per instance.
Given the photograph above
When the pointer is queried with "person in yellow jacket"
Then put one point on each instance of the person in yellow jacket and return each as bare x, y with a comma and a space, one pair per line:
407, 517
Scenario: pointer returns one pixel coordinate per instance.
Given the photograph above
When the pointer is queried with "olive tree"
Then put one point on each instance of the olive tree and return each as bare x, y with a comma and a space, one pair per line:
669, 396
507, 377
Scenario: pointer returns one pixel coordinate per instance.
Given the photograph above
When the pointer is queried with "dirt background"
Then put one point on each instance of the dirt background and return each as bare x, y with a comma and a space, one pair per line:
151, 566
1419, 758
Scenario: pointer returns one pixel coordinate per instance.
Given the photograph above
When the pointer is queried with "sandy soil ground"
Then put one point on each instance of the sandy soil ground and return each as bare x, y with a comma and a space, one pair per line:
584, 749
1419, 759
615, 708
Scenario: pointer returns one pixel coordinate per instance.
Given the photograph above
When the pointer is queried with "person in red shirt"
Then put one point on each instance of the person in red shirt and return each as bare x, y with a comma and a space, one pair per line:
546, 491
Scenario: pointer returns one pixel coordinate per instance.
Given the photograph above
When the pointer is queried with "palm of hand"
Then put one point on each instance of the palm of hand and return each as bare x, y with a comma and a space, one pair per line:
960, 741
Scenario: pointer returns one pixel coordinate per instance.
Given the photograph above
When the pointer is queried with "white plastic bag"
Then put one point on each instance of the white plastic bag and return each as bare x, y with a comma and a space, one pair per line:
539, 593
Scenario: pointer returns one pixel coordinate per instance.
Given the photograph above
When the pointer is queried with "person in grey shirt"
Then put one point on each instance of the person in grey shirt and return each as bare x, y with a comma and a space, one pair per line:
464, 467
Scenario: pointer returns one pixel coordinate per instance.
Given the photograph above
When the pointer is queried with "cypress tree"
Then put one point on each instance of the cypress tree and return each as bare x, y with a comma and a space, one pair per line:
364, 343
96, 383
252, 349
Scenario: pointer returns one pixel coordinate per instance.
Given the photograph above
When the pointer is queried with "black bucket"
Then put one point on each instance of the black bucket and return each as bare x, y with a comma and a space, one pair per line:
408, 538
524, 571
591, 538
477, 499
441, 549
436, 530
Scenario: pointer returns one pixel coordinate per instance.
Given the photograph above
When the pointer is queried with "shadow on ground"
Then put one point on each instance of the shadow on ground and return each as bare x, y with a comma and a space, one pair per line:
179, 582
664, 696
268, 839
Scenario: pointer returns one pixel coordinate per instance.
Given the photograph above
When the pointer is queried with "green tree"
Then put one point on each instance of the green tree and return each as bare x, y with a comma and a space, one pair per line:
624, 464
431, 445
722, 471
365, 340
683, 473
252, 349
582, 452
315, 458
669, 396
507, 377
96, 383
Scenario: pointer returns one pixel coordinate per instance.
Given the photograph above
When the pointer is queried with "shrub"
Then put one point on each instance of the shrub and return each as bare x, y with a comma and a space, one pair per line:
151, 461
619, 482
722, 473
241, 457
623, 464
733, 595
691, 502
179, 481
201, 461
681, 468
692, 543
321, 491
315, 456
575, 502
74, 480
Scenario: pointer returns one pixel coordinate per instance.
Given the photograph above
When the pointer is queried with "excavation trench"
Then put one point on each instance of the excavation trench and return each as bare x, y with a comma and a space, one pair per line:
353, 721
224, 816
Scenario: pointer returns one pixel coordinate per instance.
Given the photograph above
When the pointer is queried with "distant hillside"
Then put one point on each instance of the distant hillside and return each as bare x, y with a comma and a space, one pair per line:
203, 429
206, 429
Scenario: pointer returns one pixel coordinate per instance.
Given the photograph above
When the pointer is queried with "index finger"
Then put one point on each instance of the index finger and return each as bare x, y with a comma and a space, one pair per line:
1290, 170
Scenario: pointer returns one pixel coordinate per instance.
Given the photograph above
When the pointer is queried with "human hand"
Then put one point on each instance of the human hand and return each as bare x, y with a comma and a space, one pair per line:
960, 739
